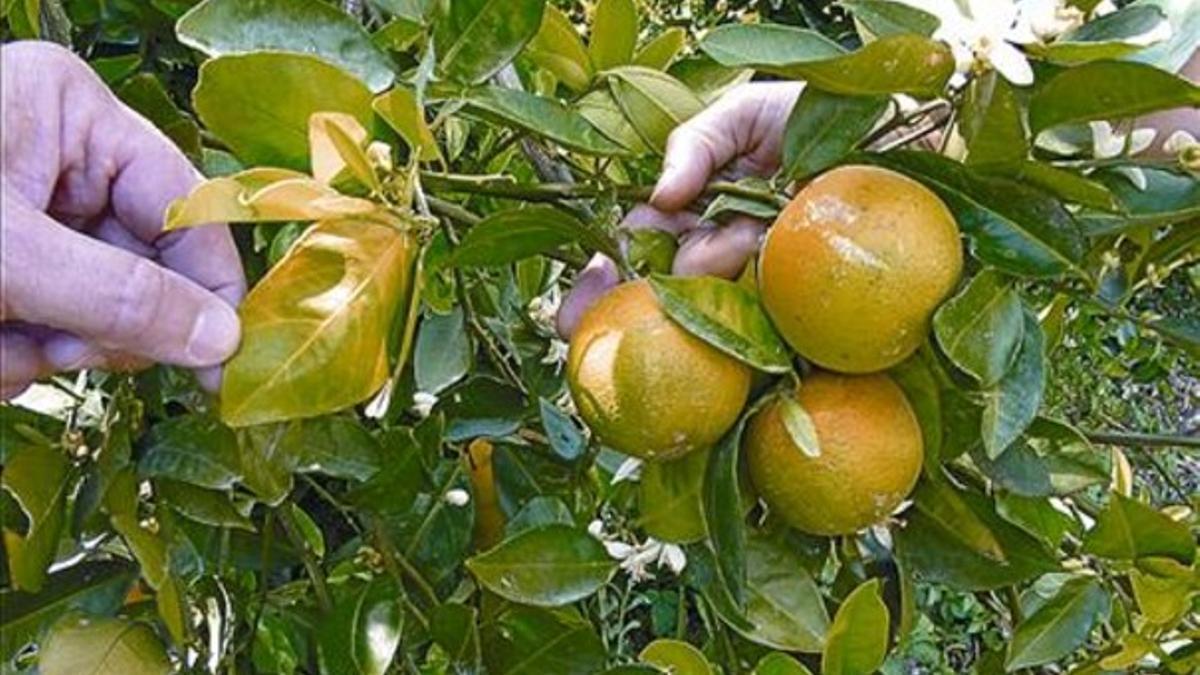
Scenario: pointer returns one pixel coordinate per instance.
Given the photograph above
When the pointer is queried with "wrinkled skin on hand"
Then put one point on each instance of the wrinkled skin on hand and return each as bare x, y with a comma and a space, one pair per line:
740, 135
87, 280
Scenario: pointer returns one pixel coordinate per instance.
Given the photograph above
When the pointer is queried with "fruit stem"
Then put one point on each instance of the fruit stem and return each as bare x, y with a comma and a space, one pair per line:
1141, 440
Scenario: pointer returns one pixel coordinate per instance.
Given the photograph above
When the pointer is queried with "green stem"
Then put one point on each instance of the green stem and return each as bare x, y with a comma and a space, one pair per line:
505, 187
1141, 440
311, 565
399, 565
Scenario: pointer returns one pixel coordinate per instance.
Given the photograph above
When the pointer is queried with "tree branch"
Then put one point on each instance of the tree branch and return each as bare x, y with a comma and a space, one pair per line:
1141, 440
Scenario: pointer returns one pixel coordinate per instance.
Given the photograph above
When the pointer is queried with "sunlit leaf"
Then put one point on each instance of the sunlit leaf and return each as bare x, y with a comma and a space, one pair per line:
799, 425
548, 566
660, 52
1087, 93
557, 48
1060, 626
335, 142
1013, 403
1130, 530
670, 498
677, 657
614, 33
858, 637
37, 480
101, 646
490, 36
542, 116
824, 127
1111, 36
993, 123
315, 329
653, 102
400, 109
981, 328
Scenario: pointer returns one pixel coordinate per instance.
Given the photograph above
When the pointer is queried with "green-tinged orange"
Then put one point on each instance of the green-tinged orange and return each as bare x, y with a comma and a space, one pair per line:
853, 269
646, 386
870, 454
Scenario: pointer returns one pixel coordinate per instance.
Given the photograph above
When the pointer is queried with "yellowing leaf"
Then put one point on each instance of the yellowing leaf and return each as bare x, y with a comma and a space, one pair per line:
400, 109
262, 195
557, 48
315, 329
335, 142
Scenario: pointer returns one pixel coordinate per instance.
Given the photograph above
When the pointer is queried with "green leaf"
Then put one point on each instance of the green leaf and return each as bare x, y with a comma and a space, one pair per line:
395, 487
211, 507
1060, 626
993, 123
222, 27
541, 510
823, 128
601, 110
614, 33
982, 327
97, 587
858, 637
1011, 226
96, 646
543, 116
883, 18
1072, 462
1066, 185
454, 629
402, 111
725, 315
1086, 93
916, 377
938, 501
1129, 530
547, 566
707, 78
1013, 403
363, 632
1169, 197
934, 550
799, 425
37, 478
266, 468
495, 33
1037, 517
565, 438
660, 52
778, 663
908, 64
724, 519
557, 48
1183, 331
260, 103
676, 657
1111, 36
671, 498
315, 329
653, 102
443, 354
334, 446
509, 236
726, 206
146, 95
529, 640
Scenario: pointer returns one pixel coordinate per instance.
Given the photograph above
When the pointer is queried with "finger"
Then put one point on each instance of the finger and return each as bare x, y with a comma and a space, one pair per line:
66, 280
718, 251
21, 362
749, 121
646, 217
592, 282
66, 352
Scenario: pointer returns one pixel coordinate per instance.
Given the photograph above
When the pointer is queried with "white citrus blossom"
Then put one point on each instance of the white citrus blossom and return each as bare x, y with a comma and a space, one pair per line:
543, 310
379, 405
1185, 146
557, 353
983, 35
423, 403
457, 497
1044, 20
638, 559
1109, 143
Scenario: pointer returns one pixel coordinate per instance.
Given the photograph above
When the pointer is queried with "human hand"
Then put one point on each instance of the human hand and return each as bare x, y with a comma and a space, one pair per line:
88, 280
741, 134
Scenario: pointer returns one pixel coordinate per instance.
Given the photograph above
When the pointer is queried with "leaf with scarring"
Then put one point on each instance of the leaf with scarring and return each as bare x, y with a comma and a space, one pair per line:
315, 329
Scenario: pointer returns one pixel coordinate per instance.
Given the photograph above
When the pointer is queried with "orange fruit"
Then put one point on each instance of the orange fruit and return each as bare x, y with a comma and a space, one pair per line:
645, 385
870, 454
854, 267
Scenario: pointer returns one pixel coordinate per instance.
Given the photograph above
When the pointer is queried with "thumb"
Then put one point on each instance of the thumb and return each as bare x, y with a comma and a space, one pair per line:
593, 281
62, 279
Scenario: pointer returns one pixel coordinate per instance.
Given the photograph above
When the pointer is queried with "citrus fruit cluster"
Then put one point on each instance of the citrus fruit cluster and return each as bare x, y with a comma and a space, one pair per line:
850, 274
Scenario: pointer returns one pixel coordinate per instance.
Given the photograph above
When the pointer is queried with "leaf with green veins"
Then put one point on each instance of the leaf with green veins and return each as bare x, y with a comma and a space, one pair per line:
402, 112
1013, 403
1065, 184
557, 48
202, 505
443, 353
725, 315
147, 96
548, 566
799, 426
315, 329
454, 629
260, 104
614, 33
883, 18
784, 608
937, 500
1111, 36
858, 637
993, 122
671, 498
194, 449
824, 127
1086, 93
1060, 626
491, 37
543, 116
676, 657
80, 645
653, 102
981, 328
660, 52
908, 64
222, 27
38, 480
1130, 530
565, 438
363, 632
526, 640
602, 111
514, 234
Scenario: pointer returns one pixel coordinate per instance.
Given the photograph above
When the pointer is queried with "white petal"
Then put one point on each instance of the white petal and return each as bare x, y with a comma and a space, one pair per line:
1162, 31
1105, 7
1106, 142
673, 558
630, 469
1011, 63
379, 405
1134, 175
1140, 140
618, 550
1179, 141
457, 497
596, 528
997, 16
423, 403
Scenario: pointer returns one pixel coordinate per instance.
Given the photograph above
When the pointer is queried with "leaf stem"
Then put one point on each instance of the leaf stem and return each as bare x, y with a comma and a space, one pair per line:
399, 565
311, 565
1142, 440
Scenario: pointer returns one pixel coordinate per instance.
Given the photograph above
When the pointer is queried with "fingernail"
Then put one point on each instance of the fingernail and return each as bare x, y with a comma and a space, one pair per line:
215, 335
66, 352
